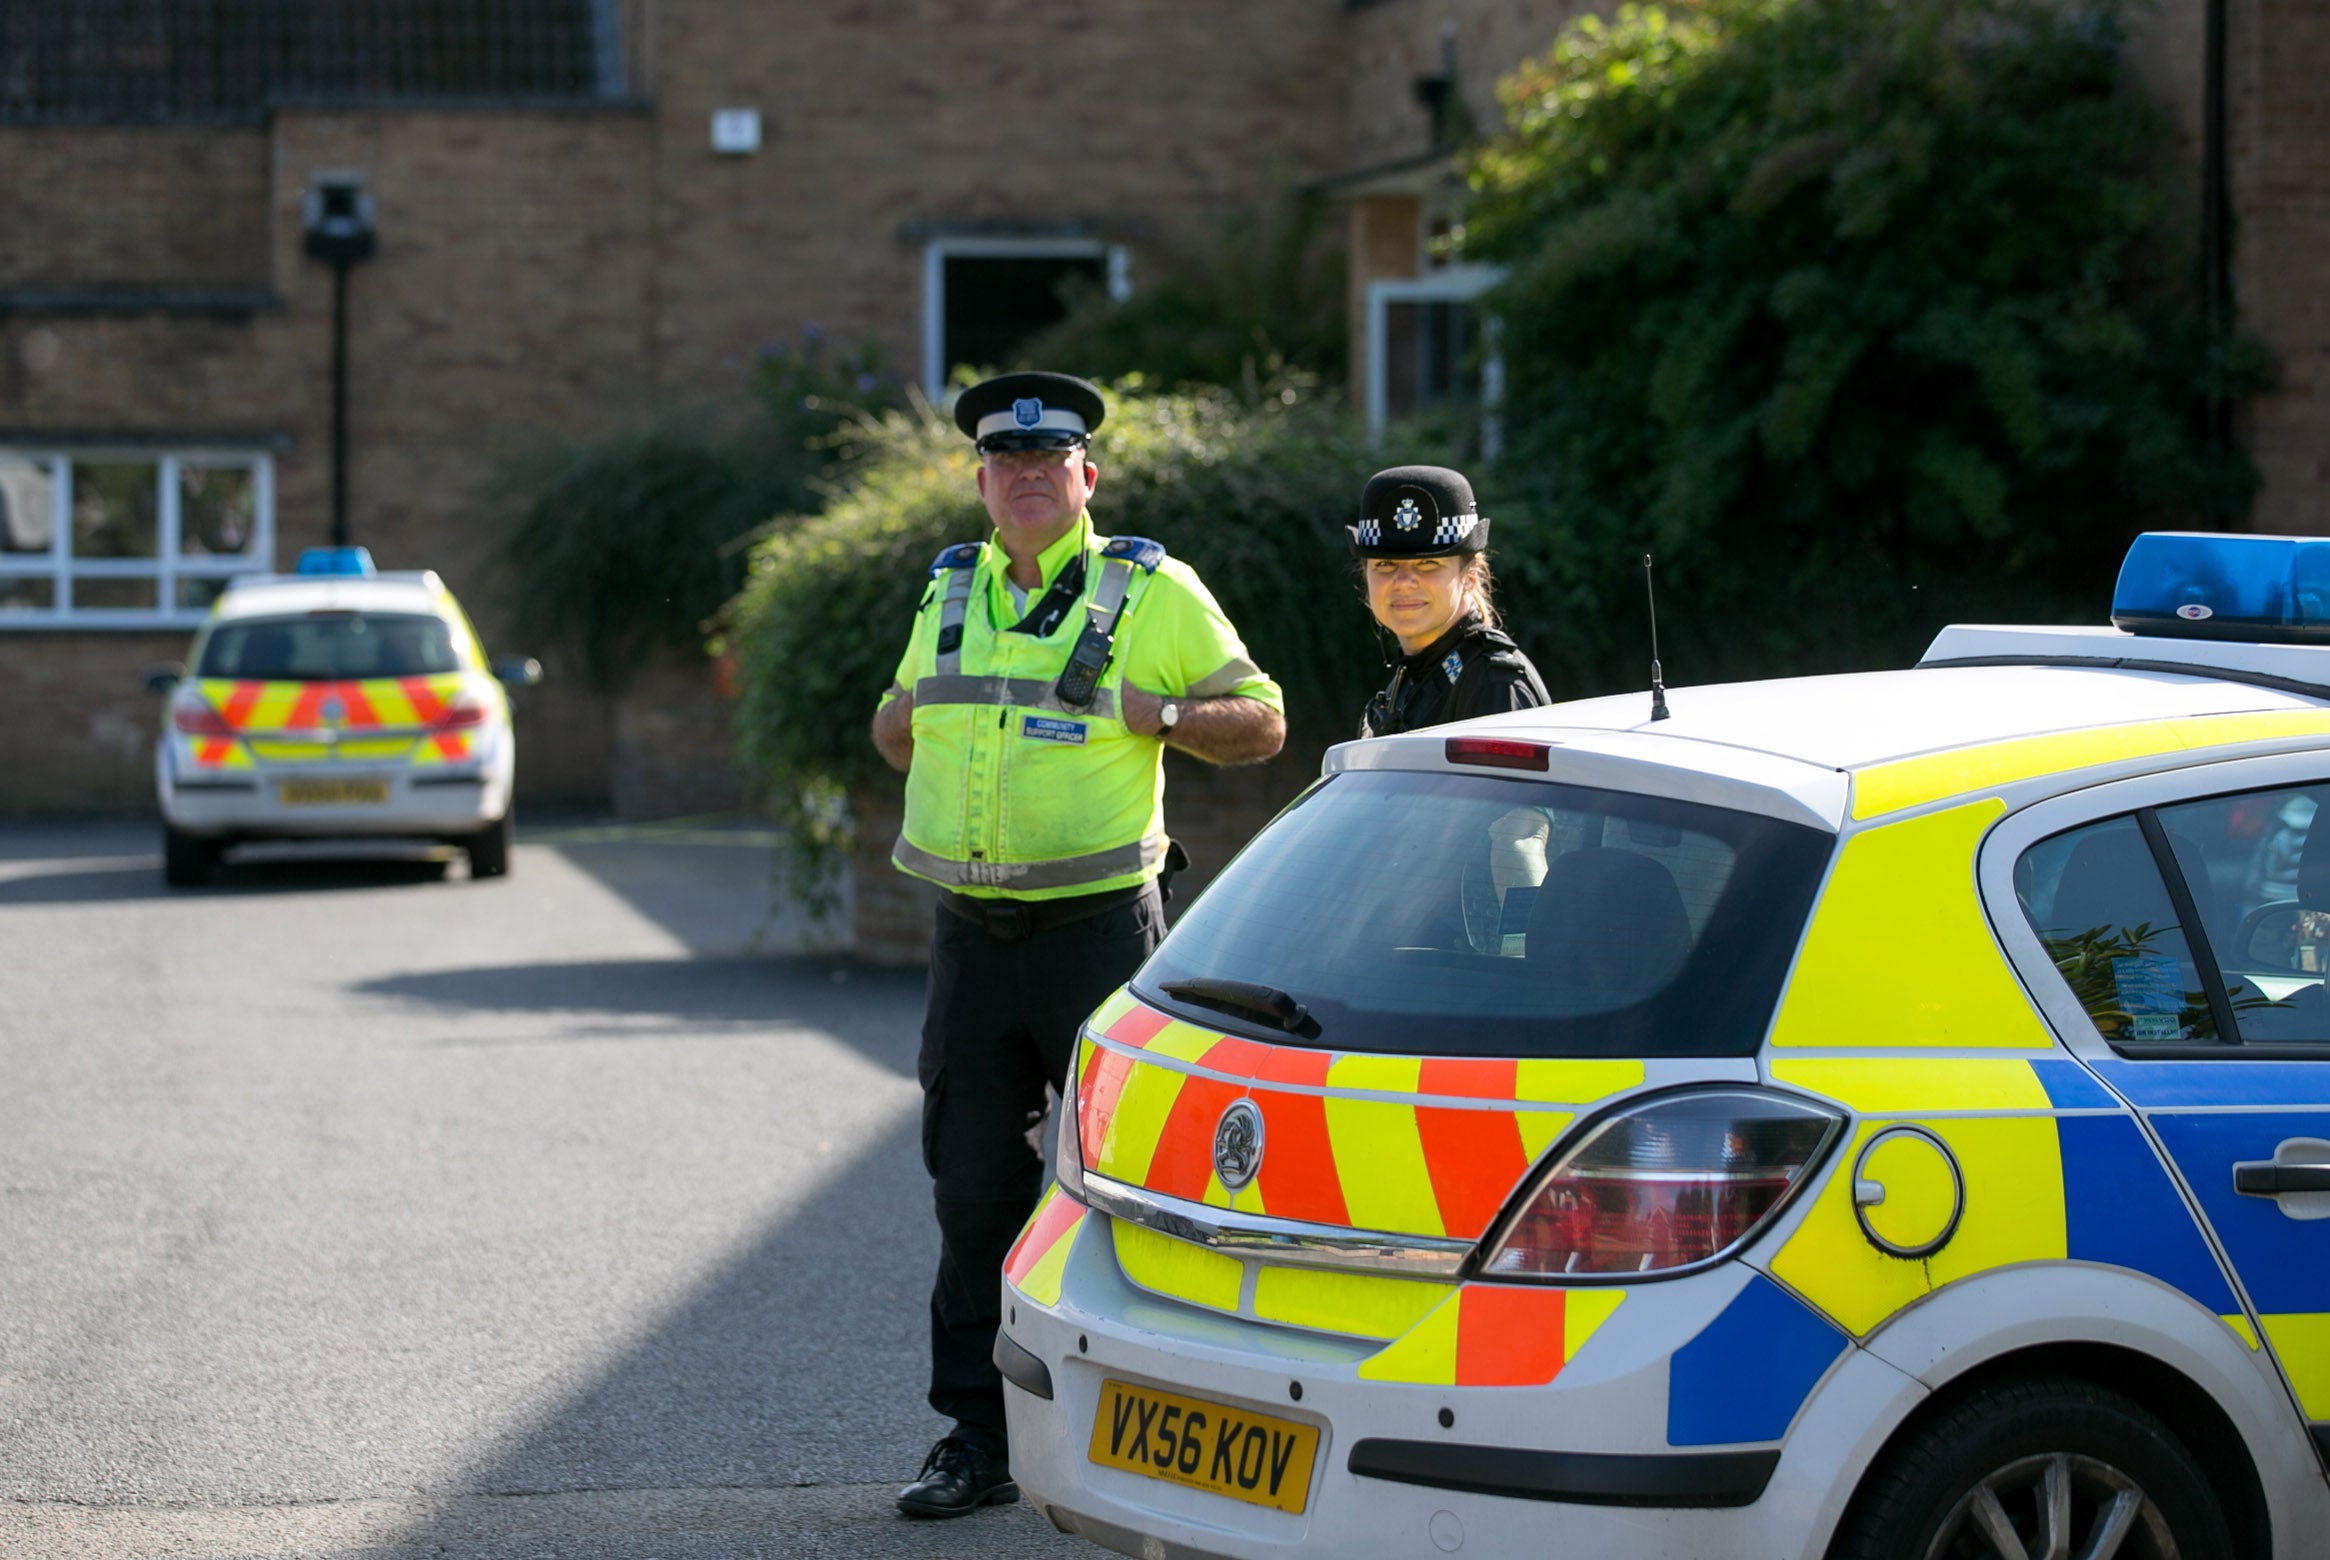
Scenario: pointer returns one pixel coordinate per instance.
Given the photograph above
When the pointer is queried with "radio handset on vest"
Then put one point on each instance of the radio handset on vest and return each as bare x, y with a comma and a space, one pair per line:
1081, 678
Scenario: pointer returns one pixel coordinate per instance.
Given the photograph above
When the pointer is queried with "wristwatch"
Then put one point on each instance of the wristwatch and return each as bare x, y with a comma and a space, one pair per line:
1168, 716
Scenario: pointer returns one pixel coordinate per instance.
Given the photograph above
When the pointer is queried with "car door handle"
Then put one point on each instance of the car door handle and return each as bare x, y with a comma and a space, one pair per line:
2273, 1178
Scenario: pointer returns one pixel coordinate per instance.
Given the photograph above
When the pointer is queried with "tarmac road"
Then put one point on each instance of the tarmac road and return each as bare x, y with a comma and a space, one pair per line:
350, 1208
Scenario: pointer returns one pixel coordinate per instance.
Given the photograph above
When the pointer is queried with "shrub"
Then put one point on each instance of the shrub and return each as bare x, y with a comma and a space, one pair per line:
1860, 314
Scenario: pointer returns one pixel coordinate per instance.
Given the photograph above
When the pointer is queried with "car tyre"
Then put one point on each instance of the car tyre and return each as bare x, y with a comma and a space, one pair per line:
187, 858
489, 848
2048, 1465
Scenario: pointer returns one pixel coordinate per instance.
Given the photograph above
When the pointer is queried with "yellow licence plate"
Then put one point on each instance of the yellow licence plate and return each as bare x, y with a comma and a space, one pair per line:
1207, 1446
332, 793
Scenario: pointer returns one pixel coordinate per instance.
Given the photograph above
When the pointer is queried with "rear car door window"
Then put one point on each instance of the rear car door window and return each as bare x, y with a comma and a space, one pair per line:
2106, 916
2260, 876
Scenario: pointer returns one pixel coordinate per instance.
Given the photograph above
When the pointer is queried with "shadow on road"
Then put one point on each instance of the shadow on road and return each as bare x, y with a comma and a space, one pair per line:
799, 1364
126, 879
870, 1010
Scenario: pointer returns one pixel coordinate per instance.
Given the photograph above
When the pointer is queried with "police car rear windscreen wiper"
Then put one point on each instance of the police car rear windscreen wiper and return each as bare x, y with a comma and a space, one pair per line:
1246, 999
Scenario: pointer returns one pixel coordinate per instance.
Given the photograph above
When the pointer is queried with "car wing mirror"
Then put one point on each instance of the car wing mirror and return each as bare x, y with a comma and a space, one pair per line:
162, 676
2285, 936
517, 671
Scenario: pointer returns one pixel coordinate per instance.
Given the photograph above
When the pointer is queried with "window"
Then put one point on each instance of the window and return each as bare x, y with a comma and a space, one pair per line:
1429, 348
128, 539
2193, 922
1466, 915
982, 297
329, 647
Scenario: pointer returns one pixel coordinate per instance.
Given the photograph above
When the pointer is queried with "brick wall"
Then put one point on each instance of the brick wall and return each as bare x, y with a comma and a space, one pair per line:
114, 207
1140, 118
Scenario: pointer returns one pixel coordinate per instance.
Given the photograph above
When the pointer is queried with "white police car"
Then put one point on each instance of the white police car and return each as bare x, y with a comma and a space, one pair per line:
336, 702
1865, 1116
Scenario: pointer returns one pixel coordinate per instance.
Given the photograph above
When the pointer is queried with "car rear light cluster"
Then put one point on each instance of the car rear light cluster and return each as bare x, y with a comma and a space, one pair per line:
463, 709
193, 715
1067, 1141
1669, 1184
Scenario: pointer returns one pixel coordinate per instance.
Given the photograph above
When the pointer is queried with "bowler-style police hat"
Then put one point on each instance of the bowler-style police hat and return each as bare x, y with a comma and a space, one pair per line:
1030, 411
1418, 512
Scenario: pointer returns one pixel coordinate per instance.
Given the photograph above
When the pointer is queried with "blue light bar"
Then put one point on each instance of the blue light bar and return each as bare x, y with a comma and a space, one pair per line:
335, 560
2201, 585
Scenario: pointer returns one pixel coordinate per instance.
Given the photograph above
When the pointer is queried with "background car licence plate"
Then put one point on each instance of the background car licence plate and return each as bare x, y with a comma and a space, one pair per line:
326, 793
1205, 1445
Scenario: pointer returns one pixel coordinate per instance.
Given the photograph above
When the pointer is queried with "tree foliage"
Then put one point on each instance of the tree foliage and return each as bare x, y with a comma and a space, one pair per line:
1828, 301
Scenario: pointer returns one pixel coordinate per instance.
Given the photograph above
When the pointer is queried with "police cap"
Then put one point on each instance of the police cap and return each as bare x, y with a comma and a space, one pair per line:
1029, 411
1418, 512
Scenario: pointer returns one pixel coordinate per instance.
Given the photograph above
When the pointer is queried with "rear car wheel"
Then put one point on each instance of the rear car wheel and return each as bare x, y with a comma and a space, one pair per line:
489, 848
2048, 1465
186, 858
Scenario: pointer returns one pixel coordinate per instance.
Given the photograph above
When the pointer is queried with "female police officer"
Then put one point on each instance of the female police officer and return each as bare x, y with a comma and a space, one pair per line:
1422, 555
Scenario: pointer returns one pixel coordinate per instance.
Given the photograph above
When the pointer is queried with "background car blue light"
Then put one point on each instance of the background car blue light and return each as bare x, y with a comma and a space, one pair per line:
335, 560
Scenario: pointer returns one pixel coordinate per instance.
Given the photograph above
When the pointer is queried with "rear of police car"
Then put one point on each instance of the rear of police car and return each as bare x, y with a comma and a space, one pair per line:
1310, 1263
335, 702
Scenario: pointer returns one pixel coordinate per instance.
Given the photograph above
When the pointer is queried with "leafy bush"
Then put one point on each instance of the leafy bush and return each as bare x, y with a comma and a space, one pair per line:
629, 544
1254, 498
1860, 314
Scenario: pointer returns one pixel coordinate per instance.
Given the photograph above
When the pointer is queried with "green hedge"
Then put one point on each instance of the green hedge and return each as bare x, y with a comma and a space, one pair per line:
1254, 498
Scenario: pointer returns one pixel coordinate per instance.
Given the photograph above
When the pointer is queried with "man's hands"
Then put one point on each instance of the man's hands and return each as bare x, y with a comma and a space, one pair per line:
1228, 730
894, 729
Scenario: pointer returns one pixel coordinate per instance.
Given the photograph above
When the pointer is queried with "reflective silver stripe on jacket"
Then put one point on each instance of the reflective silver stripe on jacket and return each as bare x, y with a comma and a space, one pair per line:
1143, 855
1018, 692
1229, 677
950, 619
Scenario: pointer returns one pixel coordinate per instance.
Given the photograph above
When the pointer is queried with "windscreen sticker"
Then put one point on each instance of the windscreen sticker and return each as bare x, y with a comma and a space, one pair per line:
2151, 994
1044, 728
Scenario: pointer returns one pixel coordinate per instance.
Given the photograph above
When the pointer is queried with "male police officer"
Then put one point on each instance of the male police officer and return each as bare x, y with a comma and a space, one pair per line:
1047, 668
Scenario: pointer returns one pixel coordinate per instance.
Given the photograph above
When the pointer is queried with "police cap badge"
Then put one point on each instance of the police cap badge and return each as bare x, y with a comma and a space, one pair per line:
1030, 411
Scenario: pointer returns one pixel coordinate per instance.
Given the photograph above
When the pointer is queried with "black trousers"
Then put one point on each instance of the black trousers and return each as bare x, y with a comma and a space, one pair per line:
1005, 1003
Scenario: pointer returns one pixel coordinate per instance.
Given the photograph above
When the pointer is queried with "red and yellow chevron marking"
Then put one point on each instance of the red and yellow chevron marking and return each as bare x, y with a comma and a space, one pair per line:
1495, 1335
1037, 1261
273, 720
1393, 1143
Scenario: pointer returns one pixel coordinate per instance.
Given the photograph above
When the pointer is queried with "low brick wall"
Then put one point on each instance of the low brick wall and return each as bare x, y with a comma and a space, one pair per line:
1213, 812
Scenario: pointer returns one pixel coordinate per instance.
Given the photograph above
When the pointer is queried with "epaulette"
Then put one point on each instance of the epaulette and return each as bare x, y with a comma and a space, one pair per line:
1138, 550
960, 556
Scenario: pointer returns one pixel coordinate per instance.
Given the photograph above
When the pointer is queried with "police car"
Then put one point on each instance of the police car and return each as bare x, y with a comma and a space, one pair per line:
336, 702
1877, 1115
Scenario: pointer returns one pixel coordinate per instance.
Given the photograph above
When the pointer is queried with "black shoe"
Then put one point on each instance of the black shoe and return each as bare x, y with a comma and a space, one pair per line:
957, 1479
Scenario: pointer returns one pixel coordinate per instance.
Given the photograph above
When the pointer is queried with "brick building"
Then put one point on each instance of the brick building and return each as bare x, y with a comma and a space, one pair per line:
588, 209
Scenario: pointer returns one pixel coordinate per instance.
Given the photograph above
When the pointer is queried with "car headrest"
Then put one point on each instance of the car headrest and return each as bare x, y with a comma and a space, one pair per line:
2314, 866
1609, 925
2110, 881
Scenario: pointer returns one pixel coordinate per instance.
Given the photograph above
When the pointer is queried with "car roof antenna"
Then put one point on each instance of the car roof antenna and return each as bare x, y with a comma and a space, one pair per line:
1658, 686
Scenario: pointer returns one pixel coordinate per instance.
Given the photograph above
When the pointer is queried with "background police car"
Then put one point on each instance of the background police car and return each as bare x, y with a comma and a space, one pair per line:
336, 702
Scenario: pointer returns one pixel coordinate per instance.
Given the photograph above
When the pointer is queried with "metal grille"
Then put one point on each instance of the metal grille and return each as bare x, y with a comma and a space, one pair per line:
178, 61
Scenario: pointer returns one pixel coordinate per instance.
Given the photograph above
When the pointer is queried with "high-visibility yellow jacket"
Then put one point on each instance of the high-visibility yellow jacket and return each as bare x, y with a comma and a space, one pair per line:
1014, 793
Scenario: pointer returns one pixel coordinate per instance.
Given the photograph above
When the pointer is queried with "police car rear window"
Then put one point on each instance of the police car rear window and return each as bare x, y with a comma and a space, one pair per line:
330, 646
1476, 916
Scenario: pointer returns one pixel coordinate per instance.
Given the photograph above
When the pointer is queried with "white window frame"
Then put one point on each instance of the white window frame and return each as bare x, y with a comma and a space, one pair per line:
938, 251
165, 569
1450, 284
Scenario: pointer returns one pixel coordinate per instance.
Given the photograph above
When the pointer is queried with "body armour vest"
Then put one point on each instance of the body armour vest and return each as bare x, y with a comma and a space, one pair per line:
1019, 788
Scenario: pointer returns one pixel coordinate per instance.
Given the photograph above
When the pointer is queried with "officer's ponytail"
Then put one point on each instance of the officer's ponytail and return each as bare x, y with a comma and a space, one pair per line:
1482, 588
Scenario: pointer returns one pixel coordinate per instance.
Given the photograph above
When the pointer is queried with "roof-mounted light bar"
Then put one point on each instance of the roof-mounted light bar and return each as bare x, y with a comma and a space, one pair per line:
2206, 585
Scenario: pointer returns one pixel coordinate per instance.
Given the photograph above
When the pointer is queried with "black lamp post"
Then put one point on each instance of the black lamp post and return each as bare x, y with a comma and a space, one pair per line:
338, 219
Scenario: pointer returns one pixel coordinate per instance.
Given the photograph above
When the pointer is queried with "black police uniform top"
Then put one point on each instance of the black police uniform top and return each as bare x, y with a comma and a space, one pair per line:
1473, 669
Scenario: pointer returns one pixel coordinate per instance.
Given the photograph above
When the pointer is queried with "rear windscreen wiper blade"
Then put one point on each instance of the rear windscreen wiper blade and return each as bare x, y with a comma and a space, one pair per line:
1267, 1003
